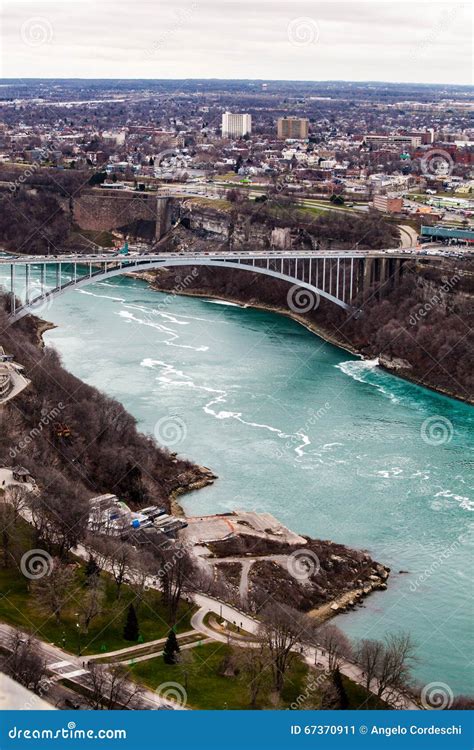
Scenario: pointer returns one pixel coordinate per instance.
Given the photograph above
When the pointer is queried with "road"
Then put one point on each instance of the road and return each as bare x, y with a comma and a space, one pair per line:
63, 665
313, 656
408, 236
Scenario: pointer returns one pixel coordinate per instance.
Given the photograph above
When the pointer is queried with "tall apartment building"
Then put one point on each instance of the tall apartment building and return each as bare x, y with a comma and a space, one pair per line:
236, 125
293, 127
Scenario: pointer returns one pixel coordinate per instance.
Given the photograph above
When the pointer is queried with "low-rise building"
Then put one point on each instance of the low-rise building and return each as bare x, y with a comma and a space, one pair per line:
387, 204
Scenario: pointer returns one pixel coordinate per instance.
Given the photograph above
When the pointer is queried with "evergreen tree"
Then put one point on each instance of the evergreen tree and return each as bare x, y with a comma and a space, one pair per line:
171, 649
91, 570
131, 630
343, 699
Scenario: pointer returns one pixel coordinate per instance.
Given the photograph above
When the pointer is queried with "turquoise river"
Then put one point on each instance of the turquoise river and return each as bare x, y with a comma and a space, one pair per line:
331, 445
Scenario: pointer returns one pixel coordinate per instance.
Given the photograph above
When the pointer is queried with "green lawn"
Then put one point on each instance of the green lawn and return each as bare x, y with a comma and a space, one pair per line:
18, 607
207, 688
359, 699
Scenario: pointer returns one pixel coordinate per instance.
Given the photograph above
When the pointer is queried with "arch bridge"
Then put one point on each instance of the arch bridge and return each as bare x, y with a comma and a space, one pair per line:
336, 277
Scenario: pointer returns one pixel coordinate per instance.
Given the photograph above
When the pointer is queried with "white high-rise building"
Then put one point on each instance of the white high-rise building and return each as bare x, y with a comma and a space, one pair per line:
236, 125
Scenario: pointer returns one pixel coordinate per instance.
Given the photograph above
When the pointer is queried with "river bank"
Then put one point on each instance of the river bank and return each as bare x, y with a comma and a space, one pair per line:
389, 366
249, 386
339, 580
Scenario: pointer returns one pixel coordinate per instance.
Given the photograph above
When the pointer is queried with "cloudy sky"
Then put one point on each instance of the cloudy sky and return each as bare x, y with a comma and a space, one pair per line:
384, 40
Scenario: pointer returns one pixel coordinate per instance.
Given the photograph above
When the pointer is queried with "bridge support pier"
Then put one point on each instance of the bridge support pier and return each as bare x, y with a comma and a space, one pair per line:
368, 272
163, 218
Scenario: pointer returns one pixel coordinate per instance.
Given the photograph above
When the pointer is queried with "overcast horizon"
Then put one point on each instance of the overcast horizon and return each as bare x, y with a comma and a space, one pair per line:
389, 42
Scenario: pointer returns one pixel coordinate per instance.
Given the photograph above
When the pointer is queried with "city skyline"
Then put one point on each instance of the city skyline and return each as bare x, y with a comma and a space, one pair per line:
421, 42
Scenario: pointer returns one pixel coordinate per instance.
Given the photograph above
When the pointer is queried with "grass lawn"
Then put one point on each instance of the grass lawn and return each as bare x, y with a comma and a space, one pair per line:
359, 699
207, 688
18, 607
213, 203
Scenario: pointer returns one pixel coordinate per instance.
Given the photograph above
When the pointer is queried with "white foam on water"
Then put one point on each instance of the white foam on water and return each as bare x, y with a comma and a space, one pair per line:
99, 296
360, 370
464, 502
222, 302
172, 377
328, 446
172, 335
158, 313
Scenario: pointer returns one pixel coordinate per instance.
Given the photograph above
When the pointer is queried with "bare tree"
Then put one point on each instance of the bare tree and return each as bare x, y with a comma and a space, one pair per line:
54, 590
110, 688
369, 655
8, 534
337, 645
25, 663
397, 659
117, 557
91, 603
255, 670
176, 576
187, 665
142, 566
281, 629
15, 496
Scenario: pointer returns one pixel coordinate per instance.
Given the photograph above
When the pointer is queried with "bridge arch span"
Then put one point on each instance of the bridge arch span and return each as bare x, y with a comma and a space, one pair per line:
141, 266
